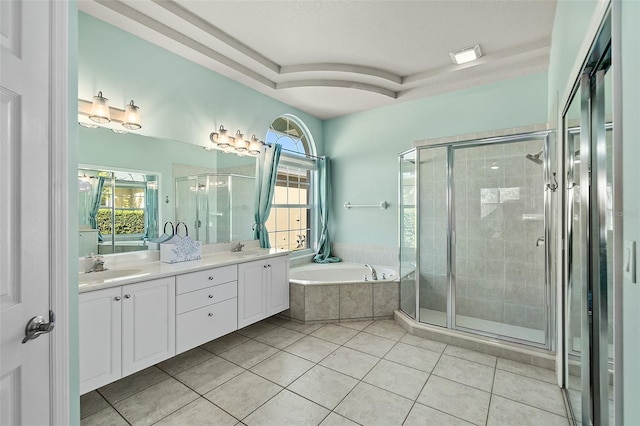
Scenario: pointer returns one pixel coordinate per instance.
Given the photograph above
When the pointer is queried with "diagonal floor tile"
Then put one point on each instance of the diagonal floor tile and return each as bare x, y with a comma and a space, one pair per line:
256, 329
224, 343
323, 386
353, 363
334, 419
356, 325
156, 402
287, 408
108, 416
282, 368
370, 344
208, 374
421, 415
249, 353
243, 394
369, 405
504, 412
184, 361
389, 329
125, 387
397, 378
469, 355
527, 370
456, 399
198, 412
301, 328
465, 372
312, 348
536, 393
91, 403
279, 337
414, 357
335, 333
431, 345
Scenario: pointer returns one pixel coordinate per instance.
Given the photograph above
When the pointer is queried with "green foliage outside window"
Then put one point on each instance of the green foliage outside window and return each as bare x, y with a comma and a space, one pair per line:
127, 221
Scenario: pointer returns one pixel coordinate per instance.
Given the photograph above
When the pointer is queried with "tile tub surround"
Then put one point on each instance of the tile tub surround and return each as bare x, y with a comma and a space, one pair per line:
345, 373
344, 301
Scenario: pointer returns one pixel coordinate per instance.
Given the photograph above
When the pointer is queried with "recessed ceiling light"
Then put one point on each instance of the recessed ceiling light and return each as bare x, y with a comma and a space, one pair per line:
465, 55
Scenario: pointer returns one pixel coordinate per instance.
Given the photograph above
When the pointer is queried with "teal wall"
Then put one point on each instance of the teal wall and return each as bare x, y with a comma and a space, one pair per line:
364, 147
630, 58
570, 25
72, 326
178, 99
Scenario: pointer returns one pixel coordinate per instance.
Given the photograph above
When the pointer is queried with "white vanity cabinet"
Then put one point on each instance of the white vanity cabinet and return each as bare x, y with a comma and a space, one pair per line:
125, 329
100, 331
206, 306
263, 289
148, 323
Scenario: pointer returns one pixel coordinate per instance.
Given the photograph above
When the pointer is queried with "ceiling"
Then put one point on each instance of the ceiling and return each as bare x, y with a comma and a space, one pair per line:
332, 58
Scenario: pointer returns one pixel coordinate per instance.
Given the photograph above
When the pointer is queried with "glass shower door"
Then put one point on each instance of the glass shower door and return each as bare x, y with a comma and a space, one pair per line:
408, 232
499, 250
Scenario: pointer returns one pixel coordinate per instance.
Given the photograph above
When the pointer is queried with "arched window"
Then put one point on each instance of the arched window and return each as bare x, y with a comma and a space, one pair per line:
291, 223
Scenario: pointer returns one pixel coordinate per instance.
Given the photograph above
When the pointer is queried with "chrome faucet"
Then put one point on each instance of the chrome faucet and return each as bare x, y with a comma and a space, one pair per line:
237, 248
540, 242
98, 265
374, 274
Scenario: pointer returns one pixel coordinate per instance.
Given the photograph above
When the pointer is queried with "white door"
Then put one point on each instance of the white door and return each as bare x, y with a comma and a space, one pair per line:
277, 285
28, 210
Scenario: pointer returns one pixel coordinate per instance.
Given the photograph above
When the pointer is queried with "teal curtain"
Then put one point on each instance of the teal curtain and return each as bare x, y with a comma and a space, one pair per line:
151, 208
266, 174
323, 255
95, 206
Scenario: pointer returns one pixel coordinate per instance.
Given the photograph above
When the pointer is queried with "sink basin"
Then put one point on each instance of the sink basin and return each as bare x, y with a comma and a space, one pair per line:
109, 275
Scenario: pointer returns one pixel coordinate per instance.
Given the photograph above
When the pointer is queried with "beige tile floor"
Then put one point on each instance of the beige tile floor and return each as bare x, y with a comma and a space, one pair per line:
370, 373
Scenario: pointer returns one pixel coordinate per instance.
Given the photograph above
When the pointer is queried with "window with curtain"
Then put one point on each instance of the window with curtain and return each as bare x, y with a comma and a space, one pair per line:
291, 223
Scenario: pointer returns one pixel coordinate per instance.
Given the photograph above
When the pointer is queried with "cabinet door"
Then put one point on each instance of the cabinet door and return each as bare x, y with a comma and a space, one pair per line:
148, 323
99, 323
252, 300
277, 284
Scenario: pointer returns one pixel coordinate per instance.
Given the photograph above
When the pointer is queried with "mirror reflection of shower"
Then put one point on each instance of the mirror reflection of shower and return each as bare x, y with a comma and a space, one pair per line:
535, 157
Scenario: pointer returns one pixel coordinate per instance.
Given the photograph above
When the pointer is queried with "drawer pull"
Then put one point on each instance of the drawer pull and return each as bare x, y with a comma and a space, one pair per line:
264, 266
210, 278
117, 298
268, 266
127, 296
211, 296
210, 314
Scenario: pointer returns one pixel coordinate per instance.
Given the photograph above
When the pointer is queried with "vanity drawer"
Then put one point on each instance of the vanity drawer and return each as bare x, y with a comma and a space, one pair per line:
207, 296
202, 279
202, 325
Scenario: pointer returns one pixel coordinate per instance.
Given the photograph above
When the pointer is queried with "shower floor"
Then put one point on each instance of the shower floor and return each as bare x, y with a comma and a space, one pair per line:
522, 333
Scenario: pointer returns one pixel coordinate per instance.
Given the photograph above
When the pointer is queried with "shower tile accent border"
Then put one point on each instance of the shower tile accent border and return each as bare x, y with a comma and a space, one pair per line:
483, 135
345, 302
513, 352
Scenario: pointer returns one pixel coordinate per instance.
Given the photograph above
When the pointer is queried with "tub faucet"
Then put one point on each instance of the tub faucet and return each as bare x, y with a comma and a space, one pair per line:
98, 265
374, 274
237, 248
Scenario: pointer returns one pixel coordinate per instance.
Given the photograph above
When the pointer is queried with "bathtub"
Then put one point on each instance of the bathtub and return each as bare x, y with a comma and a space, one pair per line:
342, 292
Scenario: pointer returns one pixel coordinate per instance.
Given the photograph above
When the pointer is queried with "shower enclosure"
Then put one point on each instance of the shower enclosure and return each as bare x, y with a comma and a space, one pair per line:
216, 207
473, 236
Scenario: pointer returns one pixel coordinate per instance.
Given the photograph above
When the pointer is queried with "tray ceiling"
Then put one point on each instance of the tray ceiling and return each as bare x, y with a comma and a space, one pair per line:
332, 58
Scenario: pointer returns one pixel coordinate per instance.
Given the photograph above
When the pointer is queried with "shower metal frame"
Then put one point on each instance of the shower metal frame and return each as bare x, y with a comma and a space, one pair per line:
546, 136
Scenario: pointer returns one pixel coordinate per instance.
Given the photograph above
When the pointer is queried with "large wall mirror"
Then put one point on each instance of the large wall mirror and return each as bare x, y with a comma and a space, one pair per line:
130, 185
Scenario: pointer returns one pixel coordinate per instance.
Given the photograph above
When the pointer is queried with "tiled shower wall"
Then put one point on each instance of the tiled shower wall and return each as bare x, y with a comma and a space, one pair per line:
499, 211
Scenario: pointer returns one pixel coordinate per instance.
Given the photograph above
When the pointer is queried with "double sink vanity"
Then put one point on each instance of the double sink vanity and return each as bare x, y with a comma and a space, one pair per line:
141, 311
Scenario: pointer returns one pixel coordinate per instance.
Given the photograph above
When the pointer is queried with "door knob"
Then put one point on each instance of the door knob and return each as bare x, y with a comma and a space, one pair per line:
36, 326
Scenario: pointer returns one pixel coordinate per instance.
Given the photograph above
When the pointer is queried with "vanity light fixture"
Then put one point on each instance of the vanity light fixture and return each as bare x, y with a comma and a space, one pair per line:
131, 117
100, 109
99, 114
235, 144
465, 55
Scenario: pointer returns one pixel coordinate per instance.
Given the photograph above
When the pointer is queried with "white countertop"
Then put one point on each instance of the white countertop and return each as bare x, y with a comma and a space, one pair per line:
143, 271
